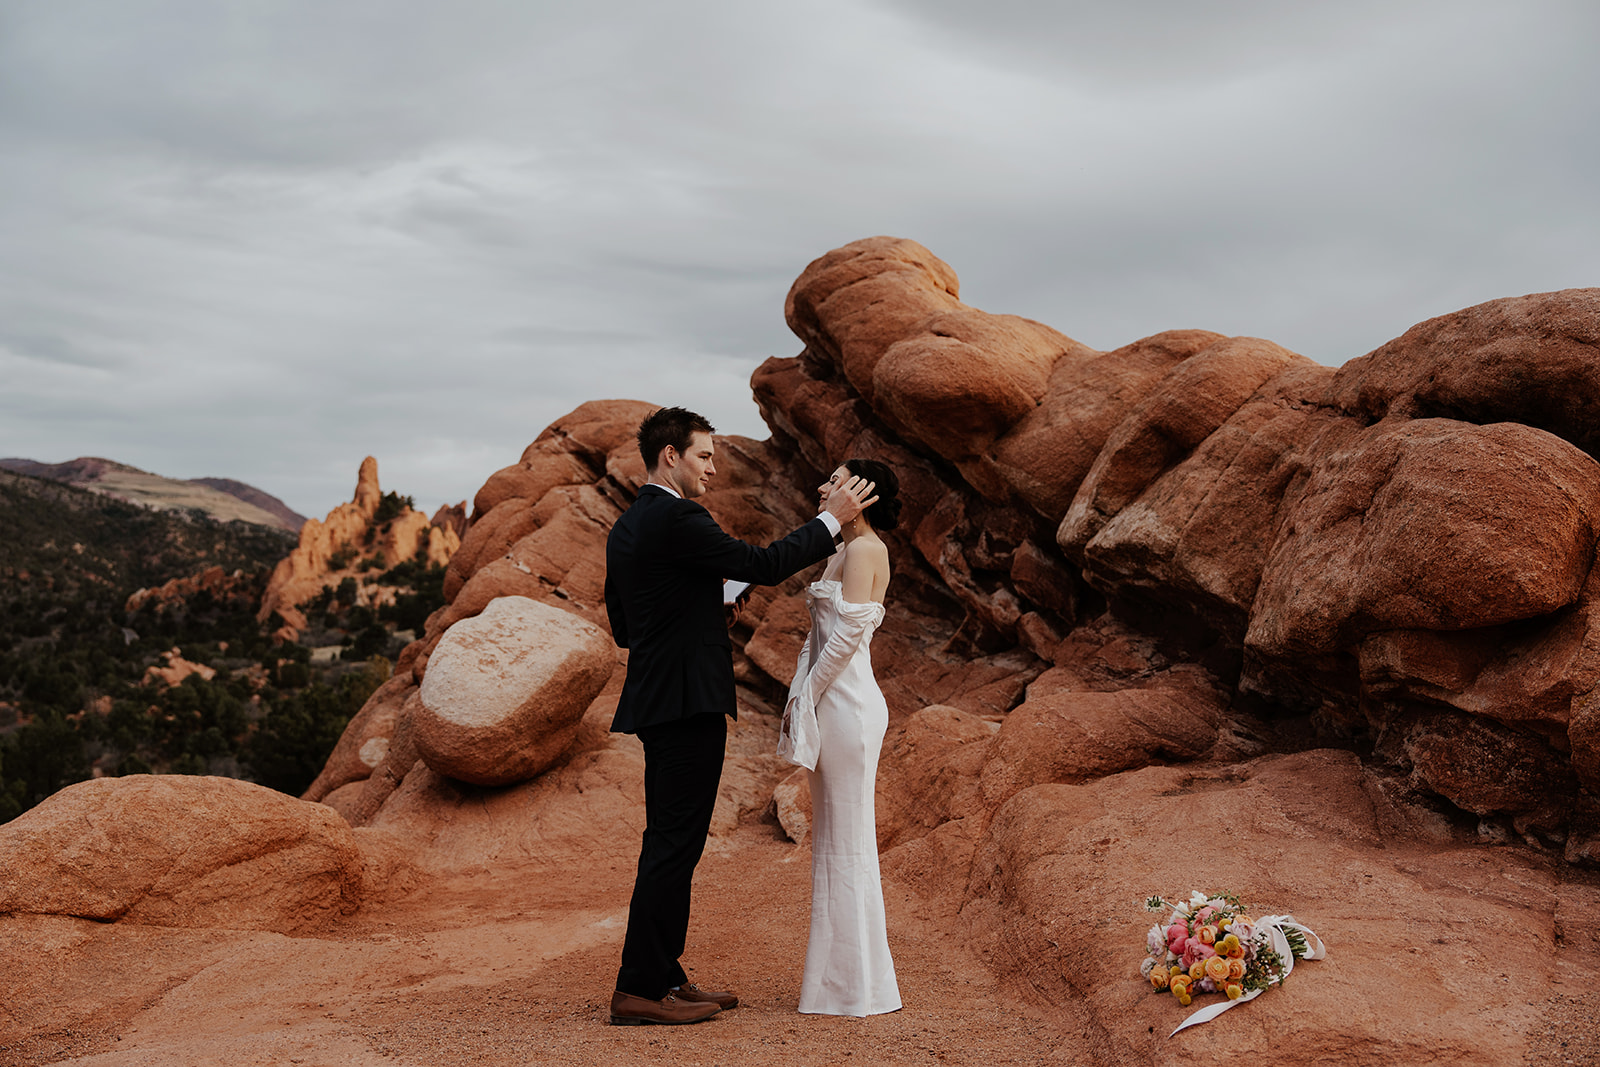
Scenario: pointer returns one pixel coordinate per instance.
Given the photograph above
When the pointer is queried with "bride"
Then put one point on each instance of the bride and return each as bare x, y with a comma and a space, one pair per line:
834, 723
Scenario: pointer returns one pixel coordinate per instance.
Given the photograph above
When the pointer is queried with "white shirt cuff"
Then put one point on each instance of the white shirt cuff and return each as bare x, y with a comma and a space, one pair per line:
830, 522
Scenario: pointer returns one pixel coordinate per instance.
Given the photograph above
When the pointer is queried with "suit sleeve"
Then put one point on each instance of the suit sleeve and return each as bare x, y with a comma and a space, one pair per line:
619, 621
702, 545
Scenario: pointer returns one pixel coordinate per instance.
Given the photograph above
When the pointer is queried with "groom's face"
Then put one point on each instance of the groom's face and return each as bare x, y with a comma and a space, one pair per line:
691, 474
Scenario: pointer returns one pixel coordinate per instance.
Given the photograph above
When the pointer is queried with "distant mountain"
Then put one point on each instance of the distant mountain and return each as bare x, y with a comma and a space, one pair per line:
62, 542
224, 499
288, 518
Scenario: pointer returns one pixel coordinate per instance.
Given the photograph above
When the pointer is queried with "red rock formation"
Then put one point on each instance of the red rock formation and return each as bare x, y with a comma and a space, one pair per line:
334, 548
175, 850
175, 669
221, 585
506, 691
1193, 612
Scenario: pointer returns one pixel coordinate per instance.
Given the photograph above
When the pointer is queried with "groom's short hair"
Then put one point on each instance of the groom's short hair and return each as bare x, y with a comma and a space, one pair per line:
669, 426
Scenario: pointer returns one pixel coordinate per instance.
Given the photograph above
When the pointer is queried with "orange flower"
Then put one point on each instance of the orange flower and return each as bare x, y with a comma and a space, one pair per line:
1207, 935
1197, 969
1235, 970
1158, 977
1216, 968
1180, 986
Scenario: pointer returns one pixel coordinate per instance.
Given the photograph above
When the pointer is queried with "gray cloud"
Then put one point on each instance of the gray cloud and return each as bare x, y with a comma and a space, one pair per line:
264, 239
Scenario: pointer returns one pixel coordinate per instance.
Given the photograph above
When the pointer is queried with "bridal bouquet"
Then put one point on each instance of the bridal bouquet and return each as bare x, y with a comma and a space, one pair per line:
1210, 944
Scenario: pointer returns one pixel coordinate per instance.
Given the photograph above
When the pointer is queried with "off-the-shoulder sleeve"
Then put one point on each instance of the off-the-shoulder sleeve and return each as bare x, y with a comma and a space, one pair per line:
800, 738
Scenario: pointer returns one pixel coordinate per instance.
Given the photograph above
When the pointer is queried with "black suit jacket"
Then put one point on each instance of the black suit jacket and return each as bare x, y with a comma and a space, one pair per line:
665, 561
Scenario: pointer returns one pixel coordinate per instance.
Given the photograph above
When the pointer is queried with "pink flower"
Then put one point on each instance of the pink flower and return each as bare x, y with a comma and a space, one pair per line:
1177, 934
1205, 913
1195, 950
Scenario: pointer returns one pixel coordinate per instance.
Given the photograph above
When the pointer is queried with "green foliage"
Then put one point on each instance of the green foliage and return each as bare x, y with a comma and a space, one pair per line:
411, 610
292, 743
73, 699
40, 759
391, 506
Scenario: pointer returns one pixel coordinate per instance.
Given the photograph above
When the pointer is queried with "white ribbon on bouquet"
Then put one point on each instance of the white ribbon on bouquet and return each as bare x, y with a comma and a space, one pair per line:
1274, 926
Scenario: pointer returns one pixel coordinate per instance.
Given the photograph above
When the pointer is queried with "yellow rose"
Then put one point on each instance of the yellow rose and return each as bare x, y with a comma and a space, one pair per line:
1158, 977
1216, 968
1185, 1000
1227, 945
1235, 970
1234, 990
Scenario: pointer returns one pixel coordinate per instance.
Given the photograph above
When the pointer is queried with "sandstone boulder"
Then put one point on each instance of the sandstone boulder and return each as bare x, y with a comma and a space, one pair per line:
1486, 768
1531, 359
964, 378
1429, 524
561, 558
505, 691
174, 850
1047, 454
487, 540
1200, 533
1069, 736
929, 773
851, 305
1191, 402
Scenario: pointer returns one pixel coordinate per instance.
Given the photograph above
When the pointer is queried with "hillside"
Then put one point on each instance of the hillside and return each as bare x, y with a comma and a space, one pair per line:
183, 678
69, 541
223, 499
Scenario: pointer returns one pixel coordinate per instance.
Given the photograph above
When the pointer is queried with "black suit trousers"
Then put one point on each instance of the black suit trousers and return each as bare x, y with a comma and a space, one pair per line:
682, 769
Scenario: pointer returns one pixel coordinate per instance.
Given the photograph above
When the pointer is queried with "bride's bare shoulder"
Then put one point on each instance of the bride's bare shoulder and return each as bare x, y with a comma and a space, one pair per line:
870, 552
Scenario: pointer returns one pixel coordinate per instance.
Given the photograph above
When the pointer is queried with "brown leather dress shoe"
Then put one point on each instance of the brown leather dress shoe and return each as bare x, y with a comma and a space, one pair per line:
670, 1010
691, 992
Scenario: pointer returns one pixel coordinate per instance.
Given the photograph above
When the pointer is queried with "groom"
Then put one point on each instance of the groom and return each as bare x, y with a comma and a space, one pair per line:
666, 560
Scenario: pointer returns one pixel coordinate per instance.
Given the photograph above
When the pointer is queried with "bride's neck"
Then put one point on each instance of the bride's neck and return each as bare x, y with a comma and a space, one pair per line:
857, 527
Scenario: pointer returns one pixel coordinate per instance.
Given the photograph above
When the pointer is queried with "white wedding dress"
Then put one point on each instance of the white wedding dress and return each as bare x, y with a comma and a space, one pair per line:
848, 967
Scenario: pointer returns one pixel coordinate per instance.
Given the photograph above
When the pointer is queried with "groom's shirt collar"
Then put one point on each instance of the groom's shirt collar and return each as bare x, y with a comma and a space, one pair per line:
666, 489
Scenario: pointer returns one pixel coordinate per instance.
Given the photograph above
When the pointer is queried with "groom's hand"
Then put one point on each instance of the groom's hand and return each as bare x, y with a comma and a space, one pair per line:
851, 499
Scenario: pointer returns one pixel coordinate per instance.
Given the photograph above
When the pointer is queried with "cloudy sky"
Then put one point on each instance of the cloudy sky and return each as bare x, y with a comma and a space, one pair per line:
262, 239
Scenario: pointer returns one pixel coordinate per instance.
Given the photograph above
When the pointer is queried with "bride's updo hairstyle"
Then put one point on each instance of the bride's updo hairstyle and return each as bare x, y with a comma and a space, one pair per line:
885, 514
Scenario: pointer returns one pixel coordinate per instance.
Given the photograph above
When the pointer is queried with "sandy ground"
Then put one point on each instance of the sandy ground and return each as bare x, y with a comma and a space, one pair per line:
512, 967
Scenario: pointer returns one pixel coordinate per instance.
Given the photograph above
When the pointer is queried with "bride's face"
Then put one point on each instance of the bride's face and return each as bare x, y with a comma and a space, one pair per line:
827, 488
